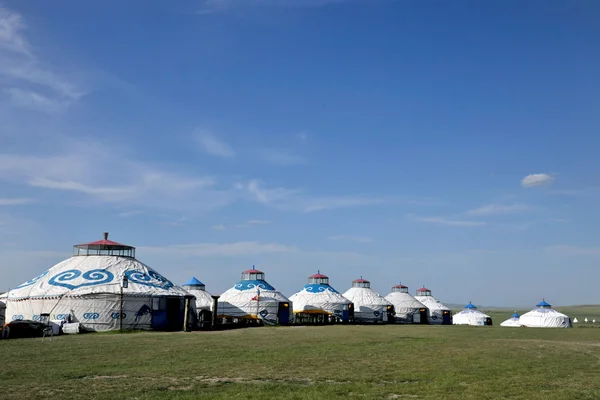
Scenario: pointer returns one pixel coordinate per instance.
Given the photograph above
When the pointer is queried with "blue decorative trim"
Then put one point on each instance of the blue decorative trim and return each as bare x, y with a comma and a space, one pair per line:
376, 313
91, 315
115, 315
152, 278
247, 285
32, 281
144, 310
319, 288
94, 277
62, 316
17, 318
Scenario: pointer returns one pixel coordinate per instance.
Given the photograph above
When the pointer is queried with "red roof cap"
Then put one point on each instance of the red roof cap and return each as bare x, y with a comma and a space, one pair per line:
423, 289
400, 286
317, 276
253, 271
361, 280
104, 242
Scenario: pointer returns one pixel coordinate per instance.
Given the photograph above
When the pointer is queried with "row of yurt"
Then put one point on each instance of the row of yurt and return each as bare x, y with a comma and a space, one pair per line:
543, 316
101, 287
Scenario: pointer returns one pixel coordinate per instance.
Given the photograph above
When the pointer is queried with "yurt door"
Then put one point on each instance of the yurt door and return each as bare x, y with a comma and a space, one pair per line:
488, 321
283, 313
423, 315
446, 317
174, 314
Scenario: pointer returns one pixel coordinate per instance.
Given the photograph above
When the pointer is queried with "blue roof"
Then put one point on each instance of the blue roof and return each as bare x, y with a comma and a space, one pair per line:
193, 282
515, 315
543, 304
471, 306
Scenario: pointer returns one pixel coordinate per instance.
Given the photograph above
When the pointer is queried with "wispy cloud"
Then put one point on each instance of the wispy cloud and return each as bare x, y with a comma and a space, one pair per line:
449, 222
28, 82
537, 180
15, 201
569, 250
213, 145
357, 239
223, 249
127, 214
495, 209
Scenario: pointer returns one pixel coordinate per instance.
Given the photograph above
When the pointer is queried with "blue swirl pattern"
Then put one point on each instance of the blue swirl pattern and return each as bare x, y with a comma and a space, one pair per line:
17, 318
91, 315
152, 278
93, 277
32, 281
248, 285
115, 315
317, 288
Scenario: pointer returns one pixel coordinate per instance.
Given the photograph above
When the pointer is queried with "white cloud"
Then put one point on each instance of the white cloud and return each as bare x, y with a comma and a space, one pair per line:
28, 82
212, 145
357, 239
450, 222
537, 180
494, 209
568, 250
222, 249
127, 214
15, 201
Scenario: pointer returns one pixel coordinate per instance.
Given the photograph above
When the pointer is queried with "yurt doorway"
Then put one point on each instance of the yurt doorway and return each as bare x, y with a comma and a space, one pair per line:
446, 318
283, 313
421, 317
174, 308
488, 321
390, 315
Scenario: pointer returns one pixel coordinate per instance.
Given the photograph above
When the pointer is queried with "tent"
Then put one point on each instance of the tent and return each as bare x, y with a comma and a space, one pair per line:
203, 302
369, 306
408, 309
575, 321
254, 299
545, 317
470, 315
513, 321
318, 302
103, 287
438, 313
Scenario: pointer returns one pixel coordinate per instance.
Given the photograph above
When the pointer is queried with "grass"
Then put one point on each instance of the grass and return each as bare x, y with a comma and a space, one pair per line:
372, 362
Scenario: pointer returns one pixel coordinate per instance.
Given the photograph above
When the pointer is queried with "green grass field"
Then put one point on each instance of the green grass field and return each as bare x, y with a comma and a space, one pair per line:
373, 362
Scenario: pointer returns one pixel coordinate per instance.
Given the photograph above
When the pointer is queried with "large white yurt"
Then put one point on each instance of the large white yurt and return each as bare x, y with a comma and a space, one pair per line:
369, 306
408, 309
513, 321
439, 314
203, 302
318, 302
470, 315
253, 298
103, 287
544, 317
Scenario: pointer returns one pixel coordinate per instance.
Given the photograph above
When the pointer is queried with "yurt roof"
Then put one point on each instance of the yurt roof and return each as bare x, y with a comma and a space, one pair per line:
515, 315
318, 275
470, 306
253, 271
360, 280
543, 304
104, 244
400, 286
423, 289
193, 282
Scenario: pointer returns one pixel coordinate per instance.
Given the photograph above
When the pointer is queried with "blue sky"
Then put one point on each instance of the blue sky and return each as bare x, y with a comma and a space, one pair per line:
446, 144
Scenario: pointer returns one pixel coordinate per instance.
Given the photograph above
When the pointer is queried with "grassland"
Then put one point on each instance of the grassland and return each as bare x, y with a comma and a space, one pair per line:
373, 362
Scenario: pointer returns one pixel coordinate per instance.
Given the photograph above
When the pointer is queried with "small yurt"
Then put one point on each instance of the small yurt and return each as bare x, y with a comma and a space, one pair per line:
513, 321
253, 299
543, 316
408, 309
369, 306
204, 300
439, 314
319, 303
102, 287
470, 315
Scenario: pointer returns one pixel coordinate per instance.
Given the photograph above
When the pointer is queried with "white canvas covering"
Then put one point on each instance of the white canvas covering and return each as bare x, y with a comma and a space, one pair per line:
470, 316
405, 306
319, 298
204, 300
86, 289
369, 306
545, 317
512, 322
436, 308
575, 321
252, 299
2, 313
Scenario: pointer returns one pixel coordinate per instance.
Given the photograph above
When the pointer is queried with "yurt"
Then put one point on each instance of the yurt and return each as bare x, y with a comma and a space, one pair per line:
253, 299
203, 302
513, 321
543, 316
439, 314
408, 309
470, 315
319, 303
369, 306
102, 287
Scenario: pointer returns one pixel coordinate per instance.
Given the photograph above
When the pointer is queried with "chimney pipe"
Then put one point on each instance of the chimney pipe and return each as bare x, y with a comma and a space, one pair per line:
105, 235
